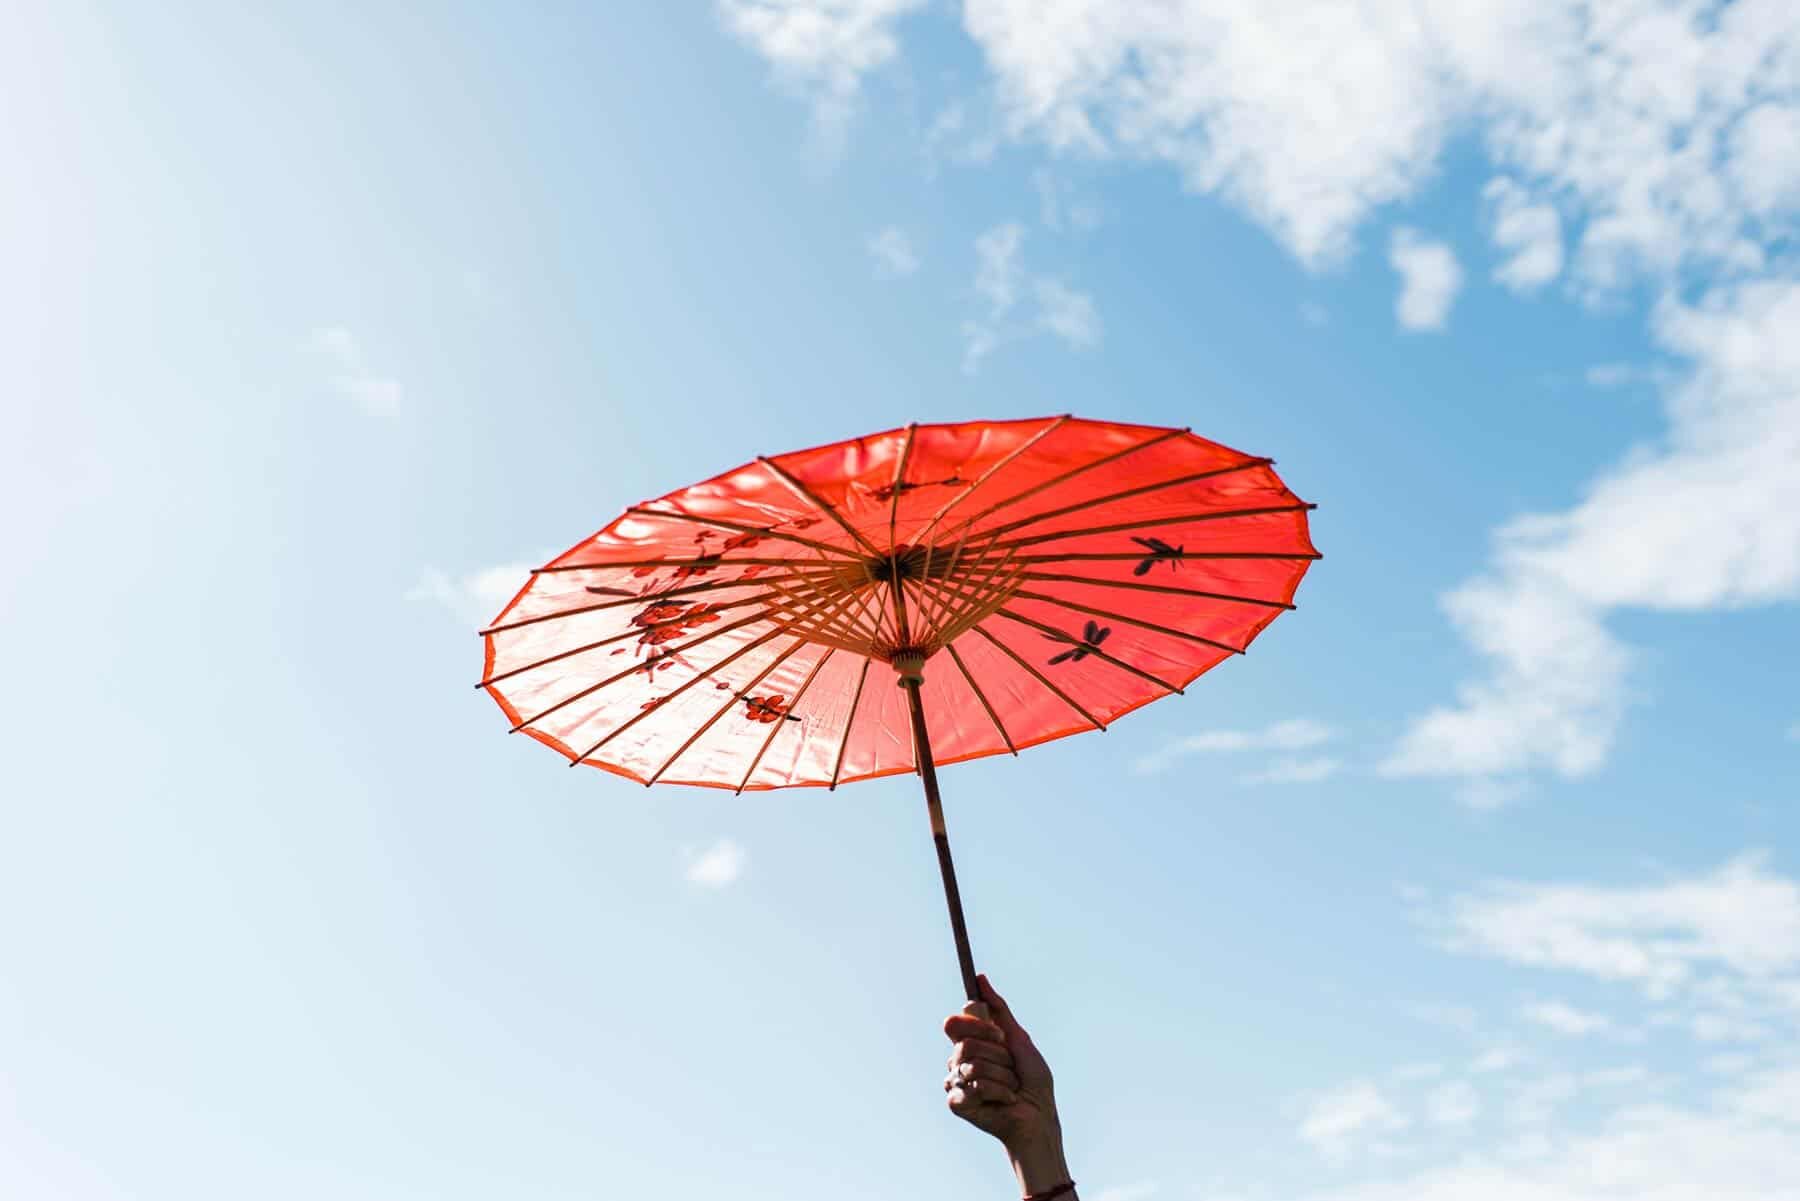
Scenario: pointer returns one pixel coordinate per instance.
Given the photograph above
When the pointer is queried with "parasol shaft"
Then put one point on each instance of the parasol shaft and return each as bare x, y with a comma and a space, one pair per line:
965, 958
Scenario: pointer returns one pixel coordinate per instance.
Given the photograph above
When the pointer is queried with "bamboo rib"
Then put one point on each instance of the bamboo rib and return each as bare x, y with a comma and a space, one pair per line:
740, 527
632, 632
648, 598
1090, 611
778, 726
1053, 577
1090, 465
900, 478
1064, 636
1049, 428
636, 667
849, 725
665, 561
1041, 678
1127, 494
1127, 557
705, 673
1143, 523
799, 488
728, 706
981, 696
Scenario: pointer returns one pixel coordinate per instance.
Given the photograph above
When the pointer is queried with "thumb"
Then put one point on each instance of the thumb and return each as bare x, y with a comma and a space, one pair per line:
1003, 1016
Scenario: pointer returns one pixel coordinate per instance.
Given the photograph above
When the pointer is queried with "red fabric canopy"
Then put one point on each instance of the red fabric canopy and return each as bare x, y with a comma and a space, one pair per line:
1055, 574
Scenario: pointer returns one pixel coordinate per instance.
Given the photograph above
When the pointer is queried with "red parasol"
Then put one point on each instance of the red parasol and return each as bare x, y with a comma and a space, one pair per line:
1024, 580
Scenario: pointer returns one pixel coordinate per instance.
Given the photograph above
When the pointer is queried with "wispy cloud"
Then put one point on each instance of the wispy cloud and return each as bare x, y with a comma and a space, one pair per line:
1739, 925
1058, 210
822, 48
1019, 303
376, 394
1068, 314
893, 254
1294, 735
1708, 517
1566, 1019
1723, 942
1624, 375
1454, 1103
1296, 771
1337, 1121
473, 597
717, 866
1429, 280
1528, 231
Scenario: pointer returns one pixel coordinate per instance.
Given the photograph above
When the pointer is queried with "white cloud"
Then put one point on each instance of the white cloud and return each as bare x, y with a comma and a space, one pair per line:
1004, 284
1708, 517
1310, 114
893, 253
1292, 735
1306, 115
1566, 1019
1454, 1103
950, 137
376, 394
1741, 920
1744, 1147
717, 866
1057, 210
1295, 771
1495, 1059
1764, 164
1625, 375
475, 597
1610, 1132
1429, 280
997, 270
822, 47
1068, 314
1335, 1121
1529, 231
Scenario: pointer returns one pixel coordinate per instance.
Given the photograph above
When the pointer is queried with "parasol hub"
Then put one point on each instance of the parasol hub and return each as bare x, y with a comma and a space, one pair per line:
910, 664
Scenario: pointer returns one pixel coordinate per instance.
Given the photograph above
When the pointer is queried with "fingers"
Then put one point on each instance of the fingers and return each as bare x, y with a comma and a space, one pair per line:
960, 1026
975, 1050
981, 1075
967, 1099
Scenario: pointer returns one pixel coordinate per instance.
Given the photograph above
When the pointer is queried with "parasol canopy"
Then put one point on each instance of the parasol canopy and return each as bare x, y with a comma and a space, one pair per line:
1059, 573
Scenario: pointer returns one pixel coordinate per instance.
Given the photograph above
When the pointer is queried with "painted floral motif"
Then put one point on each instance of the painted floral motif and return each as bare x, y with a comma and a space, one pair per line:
768, 708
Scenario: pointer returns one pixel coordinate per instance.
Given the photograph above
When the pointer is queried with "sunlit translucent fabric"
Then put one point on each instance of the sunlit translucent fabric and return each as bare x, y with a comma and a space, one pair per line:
1055, 573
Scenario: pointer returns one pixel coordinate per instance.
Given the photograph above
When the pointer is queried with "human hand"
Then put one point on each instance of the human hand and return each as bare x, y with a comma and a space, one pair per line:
1000, 1083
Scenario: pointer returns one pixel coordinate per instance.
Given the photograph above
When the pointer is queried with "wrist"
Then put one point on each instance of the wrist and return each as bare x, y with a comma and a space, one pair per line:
1038, 1161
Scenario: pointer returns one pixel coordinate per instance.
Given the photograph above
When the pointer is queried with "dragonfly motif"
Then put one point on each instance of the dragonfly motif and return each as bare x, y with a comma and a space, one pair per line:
1091, 638
656, 660
1160, 552
888, 491
768, 708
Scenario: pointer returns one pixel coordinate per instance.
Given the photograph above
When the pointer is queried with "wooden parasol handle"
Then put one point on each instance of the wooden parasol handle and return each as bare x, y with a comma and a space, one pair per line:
965, 958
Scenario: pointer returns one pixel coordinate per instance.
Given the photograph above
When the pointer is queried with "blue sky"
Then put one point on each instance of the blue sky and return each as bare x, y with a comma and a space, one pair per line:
1479, 878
